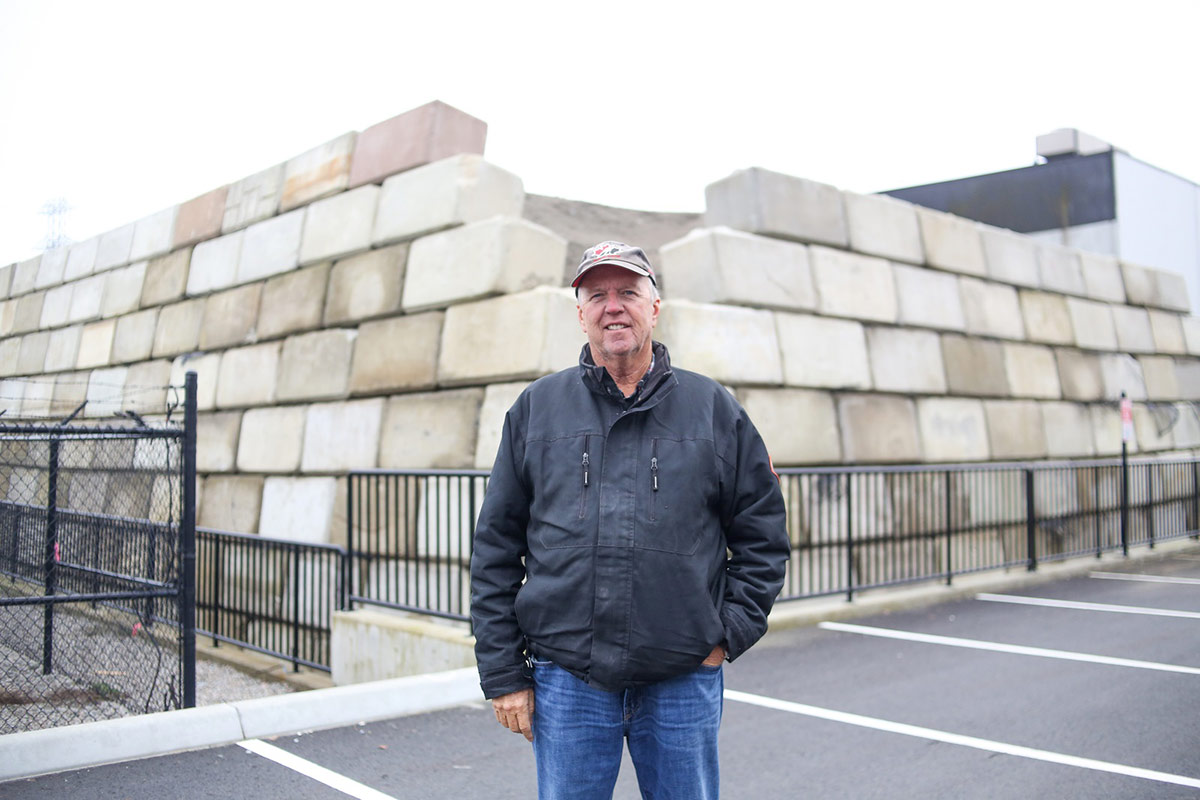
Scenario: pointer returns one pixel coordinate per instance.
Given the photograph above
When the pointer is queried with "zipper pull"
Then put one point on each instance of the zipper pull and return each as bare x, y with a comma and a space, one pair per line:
654, 471
585, 469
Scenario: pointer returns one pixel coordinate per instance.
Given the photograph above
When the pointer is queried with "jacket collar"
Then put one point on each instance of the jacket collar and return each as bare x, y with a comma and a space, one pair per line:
650, 389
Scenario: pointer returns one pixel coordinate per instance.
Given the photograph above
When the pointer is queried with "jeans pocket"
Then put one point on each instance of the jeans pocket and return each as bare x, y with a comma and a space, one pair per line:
537, 662
710, 668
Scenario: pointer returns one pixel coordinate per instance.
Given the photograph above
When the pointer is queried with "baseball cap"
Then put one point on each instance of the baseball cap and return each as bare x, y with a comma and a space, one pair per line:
618, 254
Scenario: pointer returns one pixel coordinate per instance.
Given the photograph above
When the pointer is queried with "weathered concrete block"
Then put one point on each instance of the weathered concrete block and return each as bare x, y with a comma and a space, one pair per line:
1153, 430
122, 290
292, 302
366, 285
721, 265
346, 436
496, 256
231, 503
1187, 427
133, 339
8, 311
28, 313
214, 264
1011, 257
37, 397
1187, 378
435, 429
81, 261
1141, 286
1191, 334
1046, 317
207, 367
1031, 370
10, 352
315, 365
398, 644
95, 344
732, 345
1167, 332
299, 509
1106, 430
1132, 325
147, 382
396, 354
25, 274
472, 353
772, 204
6, 276
317, 173
1122, 373
166, 277
154, 235
498, 398
56, 306
1172, 291
200, 218
454, 191
178, 329
1102, 277
272, 439
1059, 270
1068, 429
271, 247
247, 376
1079, 374
70, 391
952, 429
951, 243
852, 285
230, 316
86, 298
878, 429
428, 133
1158, 373
879, 225
339, 225
1015, 429
974, 366
106, 391
799, 426
991, 309
50, 270
928, 298
252, 199
906, 361
217, 441
62, 349
114, 248
1093, 324
31, 359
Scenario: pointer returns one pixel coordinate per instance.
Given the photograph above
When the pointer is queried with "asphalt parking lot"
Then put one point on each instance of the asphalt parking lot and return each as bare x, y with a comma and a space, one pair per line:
1083, 688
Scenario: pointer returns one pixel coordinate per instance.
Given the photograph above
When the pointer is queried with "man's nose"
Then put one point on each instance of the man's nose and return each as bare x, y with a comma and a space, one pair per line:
613, 304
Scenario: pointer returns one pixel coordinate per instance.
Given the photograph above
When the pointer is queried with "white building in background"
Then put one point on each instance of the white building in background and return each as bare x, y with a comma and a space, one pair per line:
1087, 194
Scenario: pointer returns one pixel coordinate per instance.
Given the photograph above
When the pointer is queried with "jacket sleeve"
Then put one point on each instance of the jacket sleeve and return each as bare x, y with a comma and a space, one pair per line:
755, 524
497, 570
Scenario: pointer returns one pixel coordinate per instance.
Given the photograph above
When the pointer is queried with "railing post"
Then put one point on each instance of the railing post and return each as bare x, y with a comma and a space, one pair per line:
1195, 500
347, 559
1124, 499
849, 537
1150, 504
295, 609
949, 533
50, 558
1030, 521
187, 544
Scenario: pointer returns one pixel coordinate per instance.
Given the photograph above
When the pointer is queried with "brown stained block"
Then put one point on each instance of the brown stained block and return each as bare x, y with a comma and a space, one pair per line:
974, 366
366, 285
231, 503
396, 354
431, 132
200, 218
166, 278
320, 172
293, 301
229, 317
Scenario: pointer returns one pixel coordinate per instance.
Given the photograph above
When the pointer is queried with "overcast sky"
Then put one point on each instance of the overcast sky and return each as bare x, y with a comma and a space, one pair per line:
124, 108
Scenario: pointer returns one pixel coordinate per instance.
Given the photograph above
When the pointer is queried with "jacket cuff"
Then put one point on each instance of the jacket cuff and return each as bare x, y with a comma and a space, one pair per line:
738, 634
499, 682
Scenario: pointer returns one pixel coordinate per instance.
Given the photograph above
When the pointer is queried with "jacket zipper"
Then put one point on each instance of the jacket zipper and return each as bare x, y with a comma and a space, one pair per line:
586, 464
654, 479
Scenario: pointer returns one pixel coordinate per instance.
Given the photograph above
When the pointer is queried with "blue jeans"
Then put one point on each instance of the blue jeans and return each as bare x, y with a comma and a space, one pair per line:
671, 728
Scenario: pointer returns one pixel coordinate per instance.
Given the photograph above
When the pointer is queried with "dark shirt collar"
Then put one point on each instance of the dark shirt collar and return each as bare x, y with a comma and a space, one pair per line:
599, 381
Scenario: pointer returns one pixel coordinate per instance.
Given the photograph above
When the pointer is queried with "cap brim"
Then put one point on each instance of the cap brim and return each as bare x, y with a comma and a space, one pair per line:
616, 263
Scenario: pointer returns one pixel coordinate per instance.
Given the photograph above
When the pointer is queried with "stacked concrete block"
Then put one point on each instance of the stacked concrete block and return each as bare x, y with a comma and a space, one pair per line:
32, 356
1132, 326
1010, 257
27, 315
133, 339
1015, 429
95, 344
878, 428
8, 310
81, 261
1079, 375
1046, 317
301, 509
879, 225
1093, 324
769, 203
366, 285
1102, 277
908, 361
991, 309
154, 235
431, 430
70, 392
498, 398
56, 306
271, 247
24, 278
214, 264
1059, 270
316, 366
397, 354
178, 328
86, 298
1187, 378
951, 243
105, 392
1122, 373
293, 302
852, 285
231, 503
62, 349
230, 317
37, 397
1172, 291
721, 265
1167, 332
317, 173
429, 133
974, 366
146, 385
343, 436
247, 376
51, 266
252, 199
927, 298
339, 225
1186, 432
1158, 374
165, 279
799, 426
114, 248
1106, 430
952, 429
122, 292
207, 368
217, 441
729, 344
1153, 427
1032, 371
10, 351
1068, 429
271, 439
200, 218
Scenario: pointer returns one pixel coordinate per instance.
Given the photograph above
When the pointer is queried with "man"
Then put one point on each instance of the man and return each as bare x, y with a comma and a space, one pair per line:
632, 538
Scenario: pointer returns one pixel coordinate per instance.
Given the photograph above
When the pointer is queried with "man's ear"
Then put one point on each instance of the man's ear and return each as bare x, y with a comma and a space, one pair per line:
582, 327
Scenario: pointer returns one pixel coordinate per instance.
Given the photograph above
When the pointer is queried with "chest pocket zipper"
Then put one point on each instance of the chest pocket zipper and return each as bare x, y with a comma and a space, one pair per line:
654, 479
586, 469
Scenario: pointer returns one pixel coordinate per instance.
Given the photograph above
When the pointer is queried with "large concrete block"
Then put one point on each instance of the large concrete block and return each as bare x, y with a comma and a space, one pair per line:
299, 509
454, 191
207, 367
1141, 286
292, 302
178, 329
1059, 270
1068, 429
81, 261
1106, 430
428, 133
878, 429
122, 292
114, 248
498, 398
31, 359
1187, 427
366, 285
398, 354
272, 439
95, 344
430, 430
217, 441
1122, 373
24, 278
200, 218
1158, 373
27, 315
772, 204
166, 278
252, 199
952, 429
928, 298
70, 392
62, 349
6, 276
10, 352
271, 247
852, 285
496, 256
1093, 324
38, 397
247, 376
1167, 332
907, 361
1046, 317
339, 225
951, 243
1191, 334
56, 306
230, 317
799, 426
106, 391
147, 384
974, 366
86, 298
133, 339
231, 503
1031, 370
1011, 257
315, 365
1153, 429
154, 235
732, 345
50, 270
991, 309
883, 226
345, 436
721, 265
1079, 375
1015, 429
8, 310
1102, 277
1172, 291
1187, 378
317, 173
473, 352
214, 264
1132, 325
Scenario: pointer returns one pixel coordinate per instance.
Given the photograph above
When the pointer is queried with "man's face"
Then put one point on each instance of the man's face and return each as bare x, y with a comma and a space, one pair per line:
617, 310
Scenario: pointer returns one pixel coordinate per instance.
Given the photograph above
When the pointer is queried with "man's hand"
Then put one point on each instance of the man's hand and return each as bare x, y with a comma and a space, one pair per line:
715, 657
515, 711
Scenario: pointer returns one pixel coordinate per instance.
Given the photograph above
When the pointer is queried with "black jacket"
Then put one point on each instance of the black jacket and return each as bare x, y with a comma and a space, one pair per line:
602, 541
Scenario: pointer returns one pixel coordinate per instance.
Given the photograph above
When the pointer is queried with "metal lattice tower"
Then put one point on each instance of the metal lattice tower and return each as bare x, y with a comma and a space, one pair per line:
56, 211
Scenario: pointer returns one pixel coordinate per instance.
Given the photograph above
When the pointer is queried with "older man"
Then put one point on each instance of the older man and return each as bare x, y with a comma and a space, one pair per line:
631, 540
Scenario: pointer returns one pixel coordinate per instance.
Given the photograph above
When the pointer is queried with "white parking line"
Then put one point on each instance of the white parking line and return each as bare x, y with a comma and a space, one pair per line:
965, 741
1126, 576
996, 647
1051, 603
318, 773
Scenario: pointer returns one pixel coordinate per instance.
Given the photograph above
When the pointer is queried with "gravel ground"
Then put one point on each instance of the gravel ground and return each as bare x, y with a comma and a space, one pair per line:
218, 682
